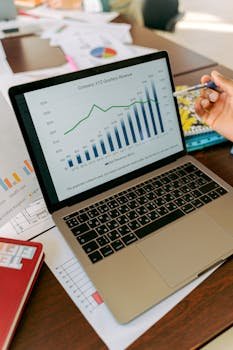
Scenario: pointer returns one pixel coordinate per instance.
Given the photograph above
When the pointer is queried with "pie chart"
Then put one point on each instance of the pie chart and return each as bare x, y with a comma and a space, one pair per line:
103, 52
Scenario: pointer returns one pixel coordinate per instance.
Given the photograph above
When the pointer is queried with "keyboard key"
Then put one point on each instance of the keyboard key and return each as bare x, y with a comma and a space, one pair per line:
221, 191
206, 199
70, 216
129, 239
208, 187
86, 237
197, 203
142, 210
123, 230
133, 204
123, 219
214, 194
112, 224
72, 222
162, 211
117, 245
104, 218
90, 247
132, 215
123, 209
122, 199
103, 240
167, 219
188, 208
80, 229
93, 223
153, 215
113, 235
103, 208
92, 213
107, 250
170, 206
143, 220
95, 257
101, 229
83, 217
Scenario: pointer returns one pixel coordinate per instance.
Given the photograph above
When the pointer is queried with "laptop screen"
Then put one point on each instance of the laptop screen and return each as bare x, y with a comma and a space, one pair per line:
100, 127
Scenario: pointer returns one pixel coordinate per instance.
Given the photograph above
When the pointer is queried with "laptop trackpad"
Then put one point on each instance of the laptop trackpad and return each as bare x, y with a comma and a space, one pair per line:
183, 249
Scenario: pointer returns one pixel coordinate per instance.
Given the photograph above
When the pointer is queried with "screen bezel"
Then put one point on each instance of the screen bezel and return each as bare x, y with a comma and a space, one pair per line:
26, 125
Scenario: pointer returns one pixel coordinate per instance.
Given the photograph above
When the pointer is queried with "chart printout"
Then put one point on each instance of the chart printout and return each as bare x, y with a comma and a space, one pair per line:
18, 183
98, 128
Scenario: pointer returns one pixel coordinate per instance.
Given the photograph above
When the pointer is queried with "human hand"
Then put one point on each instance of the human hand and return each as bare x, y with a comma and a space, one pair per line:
216, 108
65, 4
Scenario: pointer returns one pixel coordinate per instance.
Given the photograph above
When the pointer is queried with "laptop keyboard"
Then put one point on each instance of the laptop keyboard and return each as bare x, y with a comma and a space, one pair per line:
118, 221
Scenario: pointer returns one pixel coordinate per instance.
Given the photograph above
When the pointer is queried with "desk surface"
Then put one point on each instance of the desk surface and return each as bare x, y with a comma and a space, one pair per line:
52, 321
182, 59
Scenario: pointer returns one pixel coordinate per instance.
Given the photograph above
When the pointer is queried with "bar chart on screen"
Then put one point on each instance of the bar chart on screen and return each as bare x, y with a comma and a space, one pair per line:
114, 123
136, 122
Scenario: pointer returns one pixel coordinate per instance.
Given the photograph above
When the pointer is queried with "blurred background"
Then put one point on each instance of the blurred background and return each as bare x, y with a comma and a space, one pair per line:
206, 27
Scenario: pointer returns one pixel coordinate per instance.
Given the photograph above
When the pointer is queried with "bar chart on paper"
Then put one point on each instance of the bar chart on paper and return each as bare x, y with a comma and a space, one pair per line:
16, 177
18, 184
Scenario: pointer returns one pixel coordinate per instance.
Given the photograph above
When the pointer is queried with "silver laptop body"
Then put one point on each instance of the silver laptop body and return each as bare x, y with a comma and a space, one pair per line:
142, 216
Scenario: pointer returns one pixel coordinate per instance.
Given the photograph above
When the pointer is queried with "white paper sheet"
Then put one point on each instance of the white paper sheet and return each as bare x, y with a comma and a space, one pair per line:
77, 284
81, 16
18, 183
92, 45
29, 223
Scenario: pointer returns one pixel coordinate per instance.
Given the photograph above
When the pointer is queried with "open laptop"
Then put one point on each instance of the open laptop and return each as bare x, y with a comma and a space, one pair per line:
142, 217
7, 10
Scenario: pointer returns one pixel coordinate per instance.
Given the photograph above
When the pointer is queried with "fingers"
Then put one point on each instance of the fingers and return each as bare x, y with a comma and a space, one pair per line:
205, 78
225, 84
210, 95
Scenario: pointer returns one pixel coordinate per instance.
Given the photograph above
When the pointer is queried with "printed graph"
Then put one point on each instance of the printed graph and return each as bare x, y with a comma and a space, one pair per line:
16, 177
103, 52
140, 120
76, 280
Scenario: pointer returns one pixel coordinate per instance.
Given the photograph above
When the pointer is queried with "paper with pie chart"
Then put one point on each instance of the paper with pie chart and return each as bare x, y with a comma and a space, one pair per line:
93, 48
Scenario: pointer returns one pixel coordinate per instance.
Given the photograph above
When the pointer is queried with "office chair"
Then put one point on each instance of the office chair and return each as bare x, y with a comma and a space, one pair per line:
161, 14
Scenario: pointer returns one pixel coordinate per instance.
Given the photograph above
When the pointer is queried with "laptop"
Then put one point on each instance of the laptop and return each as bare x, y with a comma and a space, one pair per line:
142, 216
7, 10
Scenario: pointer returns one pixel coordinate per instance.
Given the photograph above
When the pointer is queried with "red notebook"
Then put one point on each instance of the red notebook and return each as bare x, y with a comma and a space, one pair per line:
20, 262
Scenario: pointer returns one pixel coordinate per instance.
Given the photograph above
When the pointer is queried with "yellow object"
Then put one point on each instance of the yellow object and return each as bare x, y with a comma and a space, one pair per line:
28, 3
190, 122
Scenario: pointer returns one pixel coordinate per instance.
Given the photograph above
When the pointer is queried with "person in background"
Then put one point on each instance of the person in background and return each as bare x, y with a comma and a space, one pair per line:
157, 14
216, 108
65, 4
130, 8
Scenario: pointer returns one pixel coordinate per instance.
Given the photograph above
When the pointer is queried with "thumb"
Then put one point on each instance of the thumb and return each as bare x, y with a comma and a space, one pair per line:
222, 82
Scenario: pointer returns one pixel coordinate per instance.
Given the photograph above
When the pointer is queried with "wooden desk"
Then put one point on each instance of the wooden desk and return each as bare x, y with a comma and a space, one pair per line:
52, 321
182, 59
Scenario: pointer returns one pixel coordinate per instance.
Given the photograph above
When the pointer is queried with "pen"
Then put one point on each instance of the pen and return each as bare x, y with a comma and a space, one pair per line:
24, 13
210, 84
72, 63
